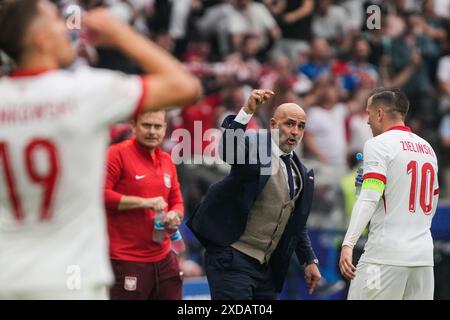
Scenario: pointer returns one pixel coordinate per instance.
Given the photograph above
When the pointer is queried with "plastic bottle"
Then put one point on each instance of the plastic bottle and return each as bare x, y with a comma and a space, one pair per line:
159, 232
177, 242
359, 174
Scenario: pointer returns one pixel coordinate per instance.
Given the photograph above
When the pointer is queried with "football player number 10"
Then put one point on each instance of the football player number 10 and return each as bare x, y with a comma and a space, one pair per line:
425, 189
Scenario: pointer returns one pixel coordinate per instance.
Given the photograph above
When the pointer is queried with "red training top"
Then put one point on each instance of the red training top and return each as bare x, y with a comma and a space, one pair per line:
133, 171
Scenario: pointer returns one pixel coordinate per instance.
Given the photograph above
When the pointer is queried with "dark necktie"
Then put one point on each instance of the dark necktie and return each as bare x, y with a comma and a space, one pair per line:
287, 161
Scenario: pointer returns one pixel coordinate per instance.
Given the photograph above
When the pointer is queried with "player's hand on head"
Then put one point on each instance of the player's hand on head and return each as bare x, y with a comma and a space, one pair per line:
346, 266
256, 99
103, 28
156, 203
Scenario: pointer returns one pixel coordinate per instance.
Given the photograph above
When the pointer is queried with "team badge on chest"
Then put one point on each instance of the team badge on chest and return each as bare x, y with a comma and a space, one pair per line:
167, 180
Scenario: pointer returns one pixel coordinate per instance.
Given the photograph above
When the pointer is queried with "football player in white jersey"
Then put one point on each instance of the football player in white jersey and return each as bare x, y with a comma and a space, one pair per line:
54, 128
399, 196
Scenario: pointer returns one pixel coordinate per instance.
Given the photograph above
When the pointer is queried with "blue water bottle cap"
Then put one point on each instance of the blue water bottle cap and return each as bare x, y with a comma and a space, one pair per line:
359, 156
176, 236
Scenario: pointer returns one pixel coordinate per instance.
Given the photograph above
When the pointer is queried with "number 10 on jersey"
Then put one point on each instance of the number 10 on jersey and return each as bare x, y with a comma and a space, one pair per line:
427, 176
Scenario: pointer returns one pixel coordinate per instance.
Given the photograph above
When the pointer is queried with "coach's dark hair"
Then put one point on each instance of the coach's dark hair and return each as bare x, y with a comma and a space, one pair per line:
15, 18
392, 99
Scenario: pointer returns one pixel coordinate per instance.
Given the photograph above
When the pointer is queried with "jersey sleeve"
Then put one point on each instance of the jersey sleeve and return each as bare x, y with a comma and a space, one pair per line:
110, 96
113, 171
375, 160
175, 200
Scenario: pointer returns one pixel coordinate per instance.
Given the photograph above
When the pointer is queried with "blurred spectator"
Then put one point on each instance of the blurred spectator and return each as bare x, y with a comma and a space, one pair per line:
196, 120
164, 40
395, 18
288, 84
106, 57
331, 22
122, 10
281, 67
347, 184
142, 9
357, 72
158, 17
355, 13
432, 28
442, 8
247, 17
214, 24
356, 128
319, 63
178, 23
243, 62
325, 138
198, 50
434, 24
406, 67
294, 18
443, 79
236, 18
120, 132
183, 22
444, 161
199, 118
377, 38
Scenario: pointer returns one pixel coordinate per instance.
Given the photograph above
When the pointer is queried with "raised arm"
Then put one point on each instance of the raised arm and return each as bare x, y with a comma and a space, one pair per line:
233, 147
168, 82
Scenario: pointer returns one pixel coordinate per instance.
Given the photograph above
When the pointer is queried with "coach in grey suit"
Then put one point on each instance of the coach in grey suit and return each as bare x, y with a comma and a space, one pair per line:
253, 220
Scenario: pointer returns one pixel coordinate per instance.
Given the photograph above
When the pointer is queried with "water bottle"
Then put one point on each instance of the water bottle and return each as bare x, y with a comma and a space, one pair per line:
177, 242
159, 232
359, 174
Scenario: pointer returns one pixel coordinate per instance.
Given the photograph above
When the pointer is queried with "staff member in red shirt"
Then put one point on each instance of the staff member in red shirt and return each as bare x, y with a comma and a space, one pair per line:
142, 179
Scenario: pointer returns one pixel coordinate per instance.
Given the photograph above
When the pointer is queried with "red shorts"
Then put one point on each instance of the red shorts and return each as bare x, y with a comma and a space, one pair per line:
160, 280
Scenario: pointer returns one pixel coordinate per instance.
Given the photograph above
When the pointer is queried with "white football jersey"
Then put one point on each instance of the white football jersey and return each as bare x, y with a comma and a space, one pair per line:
54, 131
399, 231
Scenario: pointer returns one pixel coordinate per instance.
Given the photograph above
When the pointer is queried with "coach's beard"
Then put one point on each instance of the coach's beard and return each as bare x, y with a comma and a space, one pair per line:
289, 148
283, 144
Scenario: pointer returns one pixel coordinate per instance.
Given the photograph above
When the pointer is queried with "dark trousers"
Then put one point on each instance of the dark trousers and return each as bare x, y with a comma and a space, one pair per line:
232, 275
159, 280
